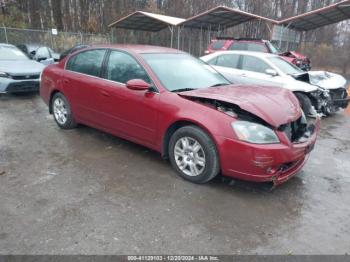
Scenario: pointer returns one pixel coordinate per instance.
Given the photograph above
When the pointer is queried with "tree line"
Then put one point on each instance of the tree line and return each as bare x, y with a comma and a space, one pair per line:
94, 16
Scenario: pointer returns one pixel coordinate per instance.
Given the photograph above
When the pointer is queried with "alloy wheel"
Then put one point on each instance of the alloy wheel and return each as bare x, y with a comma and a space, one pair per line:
189, 156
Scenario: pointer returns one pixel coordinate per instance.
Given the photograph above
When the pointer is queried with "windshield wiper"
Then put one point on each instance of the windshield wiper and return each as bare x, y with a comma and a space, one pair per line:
183, 90
220, 84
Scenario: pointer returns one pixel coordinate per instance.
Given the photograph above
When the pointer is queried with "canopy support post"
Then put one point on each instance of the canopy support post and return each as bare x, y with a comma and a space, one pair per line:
171, 29
209, 34
178, 37
190, 42
282, 34
201, 41
5, 31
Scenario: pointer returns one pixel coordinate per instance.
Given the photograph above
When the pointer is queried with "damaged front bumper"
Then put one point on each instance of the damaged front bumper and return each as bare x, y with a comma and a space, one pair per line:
339, 97
8, 85
327, 102
274, 163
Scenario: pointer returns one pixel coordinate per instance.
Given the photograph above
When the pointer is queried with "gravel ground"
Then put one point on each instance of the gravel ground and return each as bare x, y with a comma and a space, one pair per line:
86, 192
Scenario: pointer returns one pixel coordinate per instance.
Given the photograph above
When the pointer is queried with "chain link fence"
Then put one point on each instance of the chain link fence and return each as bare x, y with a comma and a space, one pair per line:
58, 42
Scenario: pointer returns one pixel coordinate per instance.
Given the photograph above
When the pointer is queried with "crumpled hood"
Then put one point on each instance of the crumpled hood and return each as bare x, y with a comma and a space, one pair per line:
294, 54
21, 67
326, 80
275, 106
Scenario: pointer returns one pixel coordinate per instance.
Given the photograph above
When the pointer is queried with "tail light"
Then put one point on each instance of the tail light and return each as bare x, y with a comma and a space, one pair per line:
207, 52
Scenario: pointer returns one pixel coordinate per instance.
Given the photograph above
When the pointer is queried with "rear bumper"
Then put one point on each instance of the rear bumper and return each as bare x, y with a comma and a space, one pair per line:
265, 163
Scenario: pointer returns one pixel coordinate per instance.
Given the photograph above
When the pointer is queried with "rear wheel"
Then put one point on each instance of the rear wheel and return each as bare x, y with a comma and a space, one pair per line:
305, 103
62, 112
193, 154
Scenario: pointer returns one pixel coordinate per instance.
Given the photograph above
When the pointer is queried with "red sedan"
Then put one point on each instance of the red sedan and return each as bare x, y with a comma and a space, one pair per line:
175, 104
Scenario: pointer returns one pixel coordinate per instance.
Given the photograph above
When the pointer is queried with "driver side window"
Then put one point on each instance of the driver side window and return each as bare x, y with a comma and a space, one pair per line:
121, 68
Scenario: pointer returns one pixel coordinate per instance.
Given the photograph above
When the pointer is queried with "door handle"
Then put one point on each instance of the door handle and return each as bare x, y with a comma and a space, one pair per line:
65, 81
106, 94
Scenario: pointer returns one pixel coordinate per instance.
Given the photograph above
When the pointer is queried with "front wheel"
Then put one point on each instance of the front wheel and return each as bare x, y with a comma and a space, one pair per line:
193, 154
62, 112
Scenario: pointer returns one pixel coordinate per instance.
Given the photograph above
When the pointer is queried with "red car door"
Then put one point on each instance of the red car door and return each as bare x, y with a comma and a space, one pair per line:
129, 113
81, 81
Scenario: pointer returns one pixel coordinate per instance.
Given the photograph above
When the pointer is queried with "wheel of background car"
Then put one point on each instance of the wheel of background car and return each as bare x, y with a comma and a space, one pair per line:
193, 154
329, 109
305, 103
62, 112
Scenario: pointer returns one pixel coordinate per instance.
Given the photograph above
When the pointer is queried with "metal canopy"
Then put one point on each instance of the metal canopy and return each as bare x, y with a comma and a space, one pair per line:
147, 22
321, 17
222, 17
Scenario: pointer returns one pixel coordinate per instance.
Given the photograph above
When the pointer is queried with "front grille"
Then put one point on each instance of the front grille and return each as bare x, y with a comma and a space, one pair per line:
295, 130
339, 93
26, 86
25, 77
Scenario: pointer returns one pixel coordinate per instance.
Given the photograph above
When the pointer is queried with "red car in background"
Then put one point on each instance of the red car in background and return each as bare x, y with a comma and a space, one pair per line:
257, 45
177, 105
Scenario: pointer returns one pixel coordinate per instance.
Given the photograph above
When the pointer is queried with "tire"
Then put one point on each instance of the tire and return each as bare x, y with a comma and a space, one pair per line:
305, 103
62, 112
190, 158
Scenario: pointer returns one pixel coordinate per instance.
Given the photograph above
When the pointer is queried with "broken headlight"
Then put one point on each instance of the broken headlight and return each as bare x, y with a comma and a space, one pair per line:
254, 133
3, 74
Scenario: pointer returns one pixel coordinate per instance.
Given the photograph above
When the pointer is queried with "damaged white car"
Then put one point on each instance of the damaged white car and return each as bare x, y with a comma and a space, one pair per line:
318, 92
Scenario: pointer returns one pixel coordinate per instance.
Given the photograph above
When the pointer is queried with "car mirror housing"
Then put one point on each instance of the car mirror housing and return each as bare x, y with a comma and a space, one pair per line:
138, 85
41, 58
271, 72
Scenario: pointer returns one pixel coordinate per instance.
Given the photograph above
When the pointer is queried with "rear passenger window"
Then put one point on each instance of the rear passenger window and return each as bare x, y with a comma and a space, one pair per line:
251, 63
230, 60
257, 47
88, 62
238, 46
217, 45
122, 67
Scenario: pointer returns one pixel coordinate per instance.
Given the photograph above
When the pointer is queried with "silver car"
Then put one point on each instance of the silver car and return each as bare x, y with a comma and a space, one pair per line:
17, 72
317, 92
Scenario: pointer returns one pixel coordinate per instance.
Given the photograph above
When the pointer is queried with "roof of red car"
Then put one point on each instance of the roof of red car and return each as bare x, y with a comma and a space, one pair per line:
142, 49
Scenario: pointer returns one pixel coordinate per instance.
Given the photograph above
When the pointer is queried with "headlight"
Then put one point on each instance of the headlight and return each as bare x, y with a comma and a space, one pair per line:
254, 133
3, 74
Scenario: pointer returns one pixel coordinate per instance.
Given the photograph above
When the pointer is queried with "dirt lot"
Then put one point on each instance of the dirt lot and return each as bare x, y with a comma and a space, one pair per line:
82, 191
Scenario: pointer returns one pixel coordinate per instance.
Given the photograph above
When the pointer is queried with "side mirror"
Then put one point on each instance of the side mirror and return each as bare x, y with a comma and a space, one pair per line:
138, 85
271, 72
41, 58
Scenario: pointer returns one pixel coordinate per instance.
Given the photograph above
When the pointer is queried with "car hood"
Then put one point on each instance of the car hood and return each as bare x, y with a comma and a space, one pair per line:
21, 67
294, 55
276, 106
327, 80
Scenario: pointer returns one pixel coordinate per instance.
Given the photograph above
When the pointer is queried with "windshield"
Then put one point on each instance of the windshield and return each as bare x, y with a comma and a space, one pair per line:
285, 66
11, 53
273, 49
181, 72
